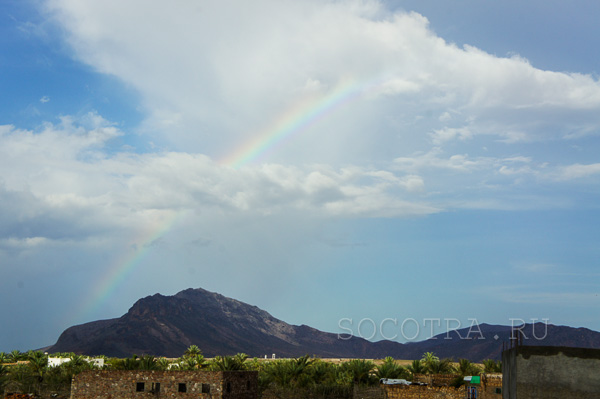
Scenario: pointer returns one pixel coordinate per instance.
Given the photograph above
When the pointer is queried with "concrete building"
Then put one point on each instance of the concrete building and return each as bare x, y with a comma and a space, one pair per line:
139, 384
550, 372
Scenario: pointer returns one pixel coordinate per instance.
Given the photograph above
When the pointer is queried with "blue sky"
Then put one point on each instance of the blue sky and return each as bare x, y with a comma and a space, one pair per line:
458, 179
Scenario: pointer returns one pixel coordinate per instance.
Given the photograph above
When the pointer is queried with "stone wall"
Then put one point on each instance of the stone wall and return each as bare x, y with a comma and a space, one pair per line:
377, 392
240, 384
491, 386
138, 384
423, 392
436, 380
337, 392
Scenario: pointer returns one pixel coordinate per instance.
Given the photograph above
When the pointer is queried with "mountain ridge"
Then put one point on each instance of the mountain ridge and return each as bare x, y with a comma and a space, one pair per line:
166, 325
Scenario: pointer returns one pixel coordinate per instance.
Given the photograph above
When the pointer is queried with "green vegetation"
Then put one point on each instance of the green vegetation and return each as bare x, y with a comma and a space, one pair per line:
390, 369
30, 373
417, 367
492, 366
465, 368
301, 377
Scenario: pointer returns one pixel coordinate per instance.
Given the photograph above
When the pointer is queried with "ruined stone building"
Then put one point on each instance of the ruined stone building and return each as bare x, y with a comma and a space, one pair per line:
139, 384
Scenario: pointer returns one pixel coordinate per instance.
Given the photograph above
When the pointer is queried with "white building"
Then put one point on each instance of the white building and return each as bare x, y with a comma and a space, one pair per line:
57, 361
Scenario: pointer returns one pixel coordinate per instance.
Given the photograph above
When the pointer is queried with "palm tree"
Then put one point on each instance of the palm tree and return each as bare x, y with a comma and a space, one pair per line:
21, 379
360, 370
77, 361
417, 367
130, 363
492, 366
163, 364
320, 371
192, 351
338, 375
254, 365
465, 367
192, 362
148, 362
76, 365
299, 370
443, 366
240, 358
293, 373
3, 372
57, 381
276, 372
228, 363
429, 358
15, 356
390, 369
38, 363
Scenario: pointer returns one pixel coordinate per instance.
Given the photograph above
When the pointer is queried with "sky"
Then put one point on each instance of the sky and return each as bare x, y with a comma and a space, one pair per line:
352, 165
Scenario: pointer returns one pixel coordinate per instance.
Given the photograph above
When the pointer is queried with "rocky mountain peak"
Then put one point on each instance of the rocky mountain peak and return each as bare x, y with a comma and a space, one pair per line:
166, 325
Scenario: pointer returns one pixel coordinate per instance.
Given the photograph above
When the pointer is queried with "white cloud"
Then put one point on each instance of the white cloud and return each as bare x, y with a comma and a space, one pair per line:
578, 171
434, 159
423, 125
13, 243
215, 73
440, 136
60, 183
519, 166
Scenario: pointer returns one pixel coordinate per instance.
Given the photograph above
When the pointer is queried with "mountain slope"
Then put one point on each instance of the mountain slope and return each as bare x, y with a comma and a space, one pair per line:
167, 325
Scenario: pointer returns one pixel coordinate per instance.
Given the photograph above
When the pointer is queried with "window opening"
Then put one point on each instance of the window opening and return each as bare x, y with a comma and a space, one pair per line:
205, 388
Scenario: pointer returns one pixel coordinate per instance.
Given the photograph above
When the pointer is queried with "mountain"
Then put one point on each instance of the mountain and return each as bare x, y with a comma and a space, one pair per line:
167, 325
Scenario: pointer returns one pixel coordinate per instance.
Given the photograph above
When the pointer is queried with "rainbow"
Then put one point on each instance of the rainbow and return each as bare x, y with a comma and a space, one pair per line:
125, 265
298, 117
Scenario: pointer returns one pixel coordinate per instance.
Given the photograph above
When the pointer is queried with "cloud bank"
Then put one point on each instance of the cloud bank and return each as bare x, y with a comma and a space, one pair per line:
215, 74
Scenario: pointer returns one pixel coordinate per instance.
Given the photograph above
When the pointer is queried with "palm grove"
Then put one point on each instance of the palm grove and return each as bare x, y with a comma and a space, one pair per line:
30, 373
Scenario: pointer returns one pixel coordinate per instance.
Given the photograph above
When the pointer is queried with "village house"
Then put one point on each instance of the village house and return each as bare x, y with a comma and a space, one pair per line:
138, 384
